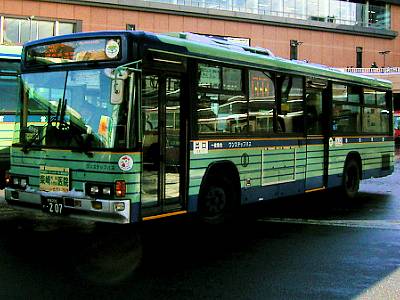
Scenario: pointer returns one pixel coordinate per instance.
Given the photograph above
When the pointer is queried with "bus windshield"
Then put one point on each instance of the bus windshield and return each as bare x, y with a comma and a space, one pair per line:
73, 108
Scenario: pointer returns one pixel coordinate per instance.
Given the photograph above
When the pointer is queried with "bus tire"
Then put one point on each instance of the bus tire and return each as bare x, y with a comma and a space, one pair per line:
217, 200
351, 178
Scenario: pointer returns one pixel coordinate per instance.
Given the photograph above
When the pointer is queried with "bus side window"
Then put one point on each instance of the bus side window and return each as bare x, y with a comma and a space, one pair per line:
346, 109
261, 102
290, 107
221, 104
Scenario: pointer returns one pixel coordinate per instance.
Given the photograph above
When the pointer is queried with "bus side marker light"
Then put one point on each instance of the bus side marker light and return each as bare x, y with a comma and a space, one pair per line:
97, 205
119, 206
120, 188
7, 179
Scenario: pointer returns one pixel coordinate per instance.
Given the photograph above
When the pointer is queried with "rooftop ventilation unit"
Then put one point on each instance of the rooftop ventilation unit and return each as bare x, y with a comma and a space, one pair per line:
220, 42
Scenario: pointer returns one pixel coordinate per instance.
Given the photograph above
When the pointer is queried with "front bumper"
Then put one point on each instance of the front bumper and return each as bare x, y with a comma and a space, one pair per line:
74, 206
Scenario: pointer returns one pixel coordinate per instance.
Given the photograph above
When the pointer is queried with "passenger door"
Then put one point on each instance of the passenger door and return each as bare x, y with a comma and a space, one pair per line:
316, 122
163, 151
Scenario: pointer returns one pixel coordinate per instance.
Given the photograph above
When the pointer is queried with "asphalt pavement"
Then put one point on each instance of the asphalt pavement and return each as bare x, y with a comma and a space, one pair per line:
316, 246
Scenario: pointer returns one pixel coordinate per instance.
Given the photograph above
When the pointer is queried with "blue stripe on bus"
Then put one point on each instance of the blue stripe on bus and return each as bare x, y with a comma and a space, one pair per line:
215, 144
248, 144
3, 55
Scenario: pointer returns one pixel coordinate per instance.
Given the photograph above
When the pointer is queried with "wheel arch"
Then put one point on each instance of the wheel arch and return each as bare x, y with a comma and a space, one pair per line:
223, 168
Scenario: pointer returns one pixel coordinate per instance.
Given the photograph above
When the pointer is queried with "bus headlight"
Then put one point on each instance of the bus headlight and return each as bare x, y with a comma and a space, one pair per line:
94, 190
17, 182
23, 183
107, 191
99, 190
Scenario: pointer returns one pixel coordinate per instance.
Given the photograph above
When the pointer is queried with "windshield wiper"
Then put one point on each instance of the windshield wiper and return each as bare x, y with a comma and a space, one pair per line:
50, 121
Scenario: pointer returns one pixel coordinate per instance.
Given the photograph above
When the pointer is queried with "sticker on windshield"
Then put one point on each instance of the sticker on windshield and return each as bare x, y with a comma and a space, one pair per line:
125, 163
112, 49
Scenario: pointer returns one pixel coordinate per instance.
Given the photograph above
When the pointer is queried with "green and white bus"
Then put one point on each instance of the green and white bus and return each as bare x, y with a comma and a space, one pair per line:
10, 57
138, 126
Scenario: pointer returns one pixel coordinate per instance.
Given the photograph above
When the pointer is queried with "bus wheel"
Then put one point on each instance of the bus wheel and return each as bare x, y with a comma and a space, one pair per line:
351, 178
216, 200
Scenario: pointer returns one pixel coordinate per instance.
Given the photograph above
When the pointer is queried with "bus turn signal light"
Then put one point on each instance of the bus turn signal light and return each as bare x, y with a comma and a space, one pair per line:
120, 188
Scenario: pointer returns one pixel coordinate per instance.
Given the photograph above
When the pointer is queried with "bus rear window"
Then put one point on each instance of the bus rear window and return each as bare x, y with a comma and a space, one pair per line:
105, 49
8, 94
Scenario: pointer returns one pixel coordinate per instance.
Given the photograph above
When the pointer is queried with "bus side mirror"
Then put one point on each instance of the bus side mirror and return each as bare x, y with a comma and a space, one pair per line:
118, 77
117, 91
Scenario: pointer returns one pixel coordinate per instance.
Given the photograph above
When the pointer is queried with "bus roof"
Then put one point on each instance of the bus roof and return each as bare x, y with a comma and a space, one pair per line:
10, 52
184, 44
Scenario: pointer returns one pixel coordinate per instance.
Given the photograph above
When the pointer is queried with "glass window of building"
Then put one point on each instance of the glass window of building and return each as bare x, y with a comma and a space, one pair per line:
11, 30
21, 30
352, 12
45, 29
378, 15
264, 7
65, 28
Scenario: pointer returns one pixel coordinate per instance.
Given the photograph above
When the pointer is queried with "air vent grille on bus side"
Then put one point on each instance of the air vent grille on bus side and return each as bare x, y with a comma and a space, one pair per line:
385, 161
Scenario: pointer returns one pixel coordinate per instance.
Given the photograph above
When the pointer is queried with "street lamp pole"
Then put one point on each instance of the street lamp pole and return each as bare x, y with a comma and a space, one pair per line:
294, 45
384, 53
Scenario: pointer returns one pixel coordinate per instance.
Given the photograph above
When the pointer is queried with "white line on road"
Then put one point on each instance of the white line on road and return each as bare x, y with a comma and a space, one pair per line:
374, 224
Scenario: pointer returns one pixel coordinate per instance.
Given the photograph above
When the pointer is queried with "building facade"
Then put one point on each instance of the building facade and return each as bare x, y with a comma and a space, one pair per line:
355, 33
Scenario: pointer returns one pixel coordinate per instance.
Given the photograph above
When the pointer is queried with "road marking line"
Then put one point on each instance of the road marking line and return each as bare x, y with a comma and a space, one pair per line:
374, 224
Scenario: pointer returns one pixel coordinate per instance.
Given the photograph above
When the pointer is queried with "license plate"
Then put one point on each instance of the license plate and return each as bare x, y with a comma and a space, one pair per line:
53, 205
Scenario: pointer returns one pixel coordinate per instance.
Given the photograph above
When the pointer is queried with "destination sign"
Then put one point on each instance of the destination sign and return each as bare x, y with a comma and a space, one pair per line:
104, 49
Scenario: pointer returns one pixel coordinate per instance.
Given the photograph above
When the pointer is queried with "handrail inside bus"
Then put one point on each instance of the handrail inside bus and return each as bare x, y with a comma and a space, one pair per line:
119, 69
